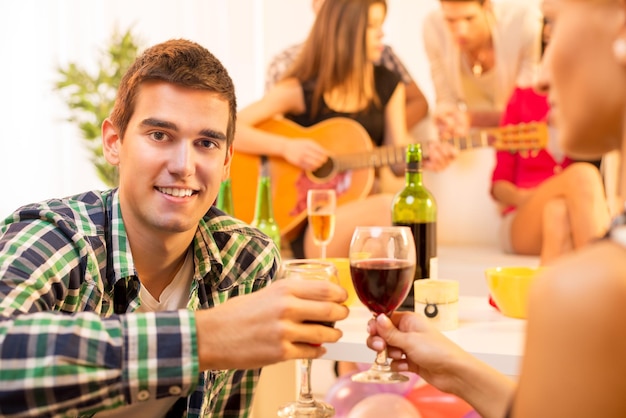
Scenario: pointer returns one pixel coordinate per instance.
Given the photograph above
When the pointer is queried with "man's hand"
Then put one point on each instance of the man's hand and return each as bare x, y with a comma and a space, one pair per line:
451, 121
439, 155
268, 326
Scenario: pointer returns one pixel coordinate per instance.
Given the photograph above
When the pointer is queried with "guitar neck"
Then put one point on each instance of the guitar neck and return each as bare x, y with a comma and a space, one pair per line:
389, 155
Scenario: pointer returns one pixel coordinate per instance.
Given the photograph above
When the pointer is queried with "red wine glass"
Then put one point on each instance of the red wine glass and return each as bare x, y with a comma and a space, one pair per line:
306, 405
382, 265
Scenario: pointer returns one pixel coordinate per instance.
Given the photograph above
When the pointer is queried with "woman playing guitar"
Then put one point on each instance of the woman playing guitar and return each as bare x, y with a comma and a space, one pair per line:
335, 76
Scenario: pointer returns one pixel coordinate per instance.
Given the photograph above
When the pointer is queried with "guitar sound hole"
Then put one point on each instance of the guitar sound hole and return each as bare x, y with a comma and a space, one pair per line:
325, 171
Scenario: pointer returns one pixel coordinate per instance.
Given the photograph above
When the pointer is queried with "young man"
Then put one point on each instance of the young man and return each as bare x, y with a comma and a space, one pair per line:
126, 299
479, 51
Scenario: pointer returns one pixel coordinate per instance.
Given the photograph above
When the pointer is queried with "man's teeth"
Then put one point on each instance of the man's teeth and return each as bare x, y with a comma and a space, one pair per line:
176, 192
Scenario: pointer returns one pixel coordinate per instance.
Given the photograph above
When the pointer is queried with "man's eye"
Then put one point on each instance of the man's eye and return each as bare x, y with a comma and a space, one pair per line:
207, 143
158, 136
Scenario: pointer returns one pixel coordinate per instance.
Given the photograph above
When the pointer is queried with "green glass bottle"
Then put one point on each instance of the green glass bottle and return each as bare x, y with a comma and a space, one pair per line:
225, 198
263, 212
415, 207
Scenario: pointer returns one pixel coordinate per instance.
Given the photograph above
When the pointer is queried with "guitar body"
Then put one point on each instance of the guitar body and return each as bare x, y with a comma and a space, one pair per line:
290, 184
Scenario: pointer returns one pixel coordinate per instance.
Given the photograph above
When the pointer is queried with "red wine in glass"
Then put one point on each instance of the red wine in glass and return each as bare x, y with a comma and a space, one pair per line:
382, 284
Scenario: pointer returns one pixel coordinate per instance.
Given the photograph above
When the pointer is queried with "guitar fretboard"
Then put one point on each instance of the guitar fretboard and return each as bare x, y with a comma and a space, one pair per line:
513, 138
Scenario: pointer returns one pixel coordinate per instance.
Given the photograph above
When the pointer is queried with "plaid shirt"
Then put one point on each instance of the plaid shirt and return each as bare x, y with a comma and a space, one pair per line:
63, 349
281, 62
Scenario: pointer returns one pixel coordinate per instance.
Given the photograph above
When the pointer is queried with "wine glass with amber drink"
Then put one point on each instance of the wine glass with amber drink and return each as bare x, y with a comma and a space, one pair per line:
306, 405
321, 205
382, 265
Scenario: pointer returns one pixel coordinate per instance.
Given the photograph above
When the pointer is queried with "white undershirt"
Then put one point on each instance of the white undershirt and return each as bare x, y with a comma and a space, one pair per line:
479, 92
174, 297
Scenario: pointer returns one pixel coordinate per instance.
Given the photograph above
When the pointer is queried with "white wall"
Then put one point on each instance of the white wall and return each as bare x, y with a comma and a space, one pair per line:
42, 156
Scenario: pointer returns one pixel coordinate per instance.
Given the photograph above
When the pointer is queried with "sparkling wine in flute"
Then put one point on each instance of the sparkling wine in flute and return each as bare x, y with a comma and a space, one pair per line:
321, 205
323, 227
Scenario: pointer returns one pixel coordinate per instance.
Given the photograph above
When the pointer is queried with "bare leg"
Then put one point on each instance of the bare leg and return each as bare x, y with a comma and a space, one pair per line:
557, 231
580, 186
374, 210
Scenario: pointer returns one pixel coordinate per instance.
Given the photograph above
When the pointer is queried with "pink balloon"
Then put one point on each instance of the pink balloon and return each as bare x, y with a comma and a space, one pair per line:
384, 405
399, 388
472, 414
345, 393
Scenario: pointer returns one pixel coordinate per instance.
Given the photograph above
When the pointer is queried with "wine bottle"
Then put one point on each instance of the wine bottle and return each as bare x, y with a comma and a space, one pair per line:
225, 198
263, 212
415, 207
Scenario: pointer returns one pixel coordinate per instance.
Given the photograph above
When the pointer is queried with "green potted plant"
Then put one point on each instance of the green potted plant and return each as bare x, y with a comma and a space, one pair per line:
90, 97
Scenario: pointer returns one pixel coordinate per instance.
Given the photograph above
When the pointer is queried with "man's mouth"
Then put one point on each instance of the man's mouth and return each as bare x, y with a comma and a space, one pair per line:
176, 192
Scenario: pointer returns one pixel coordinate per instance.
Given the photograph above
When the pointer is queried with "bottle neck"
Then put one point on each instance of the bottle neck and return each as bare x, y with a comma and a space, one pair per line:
263, 210
413, 173
225, 197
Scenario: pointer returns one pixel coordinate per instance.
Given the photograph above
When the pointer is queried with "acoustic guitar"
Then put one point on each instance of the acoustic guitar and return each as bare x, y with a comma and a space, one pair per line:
350, 170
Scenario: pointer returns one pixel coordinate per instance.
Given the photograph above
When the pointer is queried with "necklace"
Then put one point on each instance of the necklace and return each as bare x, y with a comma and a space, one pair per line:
476, 63
477, 69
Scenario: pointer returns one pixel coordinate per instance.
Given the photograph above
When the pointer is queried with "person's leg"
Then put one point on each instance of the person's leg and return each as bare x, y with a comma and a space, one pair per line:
557, 232
580, 185
374, 210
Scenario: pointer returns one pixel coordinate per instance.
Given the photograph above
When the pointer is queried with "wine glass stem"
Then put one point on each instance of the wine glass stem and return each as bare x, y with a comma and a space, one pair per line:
381, 360
305, 396
323, 251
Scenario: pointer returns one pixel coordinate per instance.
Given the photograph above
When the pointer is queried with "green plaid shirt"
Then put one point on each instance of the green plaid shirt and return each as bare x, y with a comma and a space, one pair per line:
65, 270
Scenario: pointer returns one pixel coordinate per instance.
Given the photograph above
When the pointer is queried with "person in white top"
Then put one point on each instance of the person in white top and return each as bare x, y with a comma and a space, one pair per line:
479, 50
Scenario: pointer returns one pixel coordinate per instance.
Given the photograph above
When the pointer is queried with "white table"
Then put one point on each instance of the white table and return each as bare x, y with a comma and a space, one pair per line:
495, 339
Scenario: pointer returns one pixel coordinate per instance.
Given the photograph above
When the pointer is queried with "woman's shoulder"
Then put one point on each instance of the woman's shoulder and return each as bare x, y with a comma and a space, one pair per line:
588, 282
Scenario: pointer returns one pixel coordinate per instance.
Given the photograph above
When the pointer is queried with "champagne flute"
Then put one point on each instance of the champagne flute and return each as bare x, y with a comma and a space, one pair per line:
382, 264
306, 405
321, 204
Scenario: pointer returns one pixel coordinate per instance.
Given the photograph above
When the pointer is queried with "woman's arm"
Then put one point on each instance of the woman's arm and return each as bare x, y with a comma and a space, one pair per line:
416, 346
285, 97
575, 355
507, 194
396, 133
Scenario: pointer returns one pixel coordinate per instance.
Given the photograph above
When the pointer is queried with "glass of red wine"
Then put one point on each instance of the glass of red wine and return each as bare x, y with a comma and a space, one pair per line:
306, 405
382, 264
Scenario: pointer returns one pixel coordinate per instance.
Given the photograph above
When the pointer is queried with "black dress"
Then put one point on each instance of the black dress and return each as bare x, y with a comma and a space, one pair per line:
372, 119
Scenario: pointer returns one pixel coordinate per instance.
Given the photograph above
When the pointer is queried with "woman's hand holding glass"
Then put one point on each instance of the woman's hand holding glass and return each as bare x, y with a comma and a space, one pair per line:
382, 264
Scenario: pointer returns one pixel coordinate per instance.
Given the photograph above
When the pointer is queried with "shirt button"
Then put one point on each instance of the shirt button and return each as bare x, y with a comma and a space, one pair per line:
143, 395
175, 390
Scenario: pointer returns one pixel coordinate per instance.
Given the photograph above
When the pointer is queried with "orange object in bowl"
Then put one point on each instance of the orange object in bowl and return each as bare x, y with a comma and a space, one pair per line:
509, 287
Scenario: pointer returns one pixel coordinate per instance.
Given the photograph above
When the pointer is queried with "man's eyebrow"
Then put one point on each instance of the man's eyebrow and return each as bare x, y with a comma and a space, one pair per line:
158, 123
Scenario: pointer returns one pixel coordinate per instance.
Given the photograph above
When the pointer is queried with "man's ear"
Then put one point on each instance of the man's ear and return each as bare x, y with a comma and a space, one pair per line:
110, 142
227, 161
